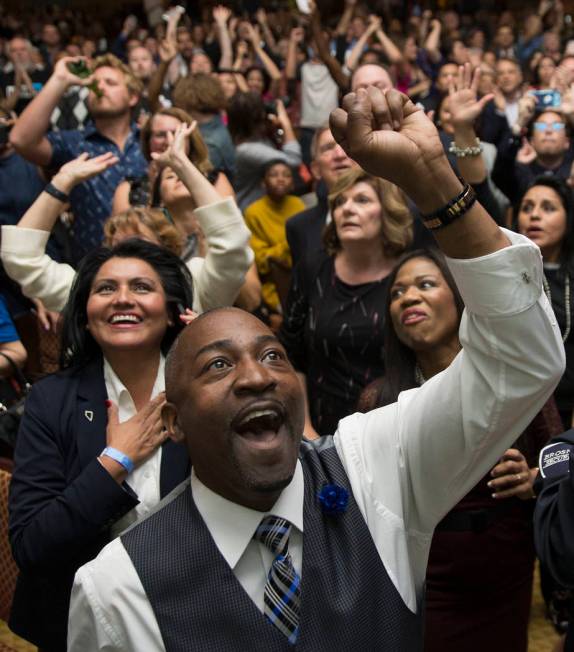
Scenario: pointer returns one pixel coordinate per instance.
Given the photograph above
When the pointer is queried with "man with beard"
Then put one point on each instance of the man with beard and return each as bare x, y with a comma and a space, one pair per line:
324, 544
112, 131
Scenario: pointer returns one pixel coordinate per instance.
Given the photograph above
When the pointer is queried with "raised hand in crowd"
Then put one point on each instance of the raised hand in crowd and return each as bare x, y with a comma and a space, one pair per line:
465, 107
261, 16
175, 153
464, 104
389, 137
526, 154
512, 477
130, 25
81, 169
175, 157
282, 121
44, 212
297, 34
374, 23
221, 15
138, 437
526, 110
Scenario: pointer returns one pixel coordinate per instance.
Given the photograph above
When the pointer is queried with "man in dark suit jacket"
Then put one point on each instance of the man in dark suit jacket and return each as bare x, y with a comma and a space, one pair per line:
329, 162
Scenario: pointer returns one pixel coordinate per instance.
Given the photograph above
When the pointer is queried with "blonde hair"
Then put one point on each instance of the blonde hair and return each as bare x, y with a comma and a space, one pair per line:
396, 218
135, 86
153, 218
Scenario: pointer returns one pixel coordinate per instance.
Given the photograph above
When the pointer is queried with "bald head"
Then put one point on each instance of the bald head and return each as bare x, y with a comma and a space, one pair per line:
235, 399
207, 328
370, 74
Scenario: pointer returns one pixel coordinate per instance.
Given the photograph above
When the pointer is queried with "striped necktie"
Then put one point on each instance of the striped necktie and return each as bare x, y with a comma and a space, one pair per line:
282, 597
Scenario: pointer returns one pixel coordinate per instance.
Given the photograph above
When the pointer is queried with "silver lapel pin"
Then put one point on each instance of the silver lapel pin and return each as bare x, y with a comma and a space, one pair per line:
89, 415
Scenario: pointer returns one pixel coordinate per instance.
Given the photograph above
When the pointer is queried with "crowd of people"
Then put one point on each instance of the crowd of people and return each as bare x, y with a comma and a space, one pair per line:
222, 218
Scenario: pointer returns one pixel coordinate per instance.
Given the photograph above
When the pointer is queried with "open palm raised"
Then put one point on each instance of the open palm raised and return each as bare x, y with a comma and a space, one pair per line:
463, 104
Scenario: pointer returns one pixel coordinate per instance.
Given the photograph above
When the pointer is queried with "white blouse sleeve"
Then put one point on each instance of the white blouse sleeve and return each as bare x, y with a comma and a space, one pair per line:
25, 260
218, 277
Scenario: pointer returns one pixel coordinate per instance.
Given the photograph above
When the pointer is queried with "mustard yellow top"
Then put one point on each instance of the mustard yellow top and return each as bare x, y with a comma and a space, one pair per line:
266, 221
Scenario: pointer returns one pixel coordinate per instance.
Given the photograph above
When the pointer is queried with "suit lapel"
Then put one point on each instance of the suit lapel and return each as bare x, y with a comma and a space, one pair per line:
92, 420
91, 412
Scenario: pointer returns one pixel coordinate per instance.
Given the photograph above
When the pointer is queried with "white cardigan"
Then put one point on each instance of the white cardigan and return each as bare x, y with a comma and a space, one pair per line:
217, 278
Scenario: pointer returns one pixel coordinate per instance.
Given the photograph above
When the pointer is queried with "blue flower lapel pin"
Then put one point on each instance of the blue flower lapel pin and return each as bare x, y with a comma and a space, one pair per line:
333, 499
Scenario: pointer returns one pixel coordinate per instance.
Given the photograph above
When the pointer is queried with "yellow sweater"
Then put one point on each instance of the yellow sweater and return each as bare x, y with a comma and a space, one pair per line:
266, 221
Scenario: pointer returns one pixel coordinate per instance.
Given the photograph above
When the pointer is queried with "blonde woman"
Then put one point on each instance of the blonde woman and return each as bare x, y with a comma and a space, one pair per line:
333, 325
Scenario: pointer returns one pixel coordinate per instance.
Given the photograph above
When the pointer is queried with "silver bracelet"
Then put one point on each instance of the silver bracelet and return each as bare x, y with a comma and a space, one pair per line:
463, 152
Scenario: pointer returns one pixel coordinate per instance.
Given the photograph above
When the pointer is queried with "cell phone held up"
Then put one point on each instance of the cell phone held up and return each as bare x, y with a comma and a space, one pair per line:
81, 70
547, 99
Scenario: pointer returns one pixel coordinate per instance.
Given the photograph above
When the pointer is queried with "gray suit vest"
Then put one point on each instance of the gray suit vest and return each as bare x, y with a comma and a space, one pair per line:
348, 601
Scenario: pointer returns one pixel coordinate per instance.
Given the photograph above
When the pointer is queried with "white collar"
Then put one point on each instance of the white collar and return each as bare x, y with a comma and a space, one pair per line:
118, 392
232, 526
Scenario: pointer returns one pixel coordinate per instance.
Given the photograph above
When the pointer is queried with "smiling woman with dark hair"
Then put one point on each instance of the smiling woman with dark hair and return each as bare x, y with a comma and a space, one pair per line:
91, 456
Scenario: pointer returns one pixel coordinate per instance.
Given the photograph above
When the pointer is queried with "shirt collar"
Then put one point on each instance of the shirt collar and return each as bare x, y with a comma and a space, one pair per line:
119, 394
90, 130
232, 526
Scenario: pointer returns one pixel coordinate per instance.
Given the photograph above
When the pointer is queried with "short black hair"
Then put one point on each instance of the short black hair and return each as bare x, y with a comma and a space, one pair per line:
78, 347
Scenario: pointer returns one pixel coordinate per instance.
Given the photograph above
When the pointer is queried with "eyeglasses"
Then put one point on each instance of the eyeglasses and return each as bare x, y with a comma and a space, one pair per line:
543, 126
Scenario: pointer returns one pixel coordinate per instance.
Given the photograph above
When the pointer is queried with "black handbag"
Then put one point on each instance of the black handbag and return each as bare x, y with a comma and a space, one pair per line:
13, 392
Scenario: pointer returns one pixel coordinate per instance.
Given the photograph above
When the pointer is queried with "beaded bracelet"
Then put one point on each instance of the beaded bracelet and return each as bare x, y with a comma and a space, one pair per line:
463, 152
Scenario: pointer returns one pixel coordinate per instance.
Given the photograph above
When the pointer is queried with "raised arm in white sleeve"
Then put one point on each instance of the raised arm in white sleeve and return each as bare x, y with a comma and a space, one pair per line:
23, 253
218, 277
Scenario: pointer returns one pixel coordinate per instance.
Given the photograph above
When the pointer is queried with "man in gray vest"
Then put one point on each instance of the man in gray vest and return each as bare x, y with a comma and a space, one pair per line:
323, 545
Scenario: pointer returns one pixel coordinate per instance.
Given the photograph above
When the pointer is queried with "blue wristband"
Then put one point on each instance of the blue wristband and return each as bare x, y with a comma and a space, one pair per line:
119, 457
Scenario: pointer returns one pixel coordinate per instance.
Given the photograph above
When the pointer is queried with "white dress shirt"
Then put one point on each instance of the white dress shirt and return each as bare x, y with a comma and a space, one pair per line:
408, 463
144, 480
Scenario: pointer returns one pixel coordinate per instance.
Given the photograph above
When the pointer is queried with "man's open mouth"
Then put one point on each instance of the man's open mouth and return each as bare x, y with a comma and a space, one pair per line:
259, 424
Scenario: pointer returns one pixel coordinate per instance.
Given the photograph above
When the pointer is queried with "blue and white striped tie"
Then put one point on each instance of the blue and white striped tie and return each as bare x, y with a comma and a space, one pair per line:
282, 598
